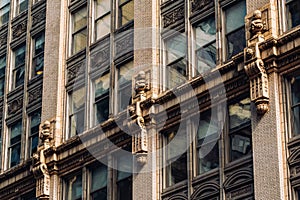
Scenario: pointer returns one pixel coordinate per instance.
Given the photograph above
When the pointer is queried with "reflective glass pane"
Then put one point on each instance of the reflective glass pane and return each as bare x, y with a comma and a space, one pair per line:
236, 42
79, 19
295, 86
176, 73
293, 13
127, 12
206, 58
102, 26
38, 63
77, 99
208, 157
79, 41
102, 7
15, 155
19, 76
4, 2
240, 144
34, 144
239, 113
4, 14
124, 189
16, 130
35, 119
175, 48
23, 5
208, 127
205, 32
20, 56
235, 16
125, 73
77, 123
2, 84
2, 66
102, 110
177, 170
124, 167
39, 44
74, 188
99, 178
100, 194
102, 85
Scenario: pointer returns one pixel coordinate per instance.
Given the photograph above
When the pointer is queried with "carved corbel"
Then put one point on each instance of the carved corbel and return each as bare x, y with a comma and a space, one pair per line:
254, 66
140, 138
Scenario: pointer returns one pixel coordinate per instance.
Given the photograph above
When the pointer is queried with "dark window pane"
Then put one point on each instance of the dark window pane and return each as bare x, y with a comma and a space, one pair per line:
2, 66
102, 110
206, 58
177, 170
77, 123
124, 178
293, 13
100, 195
20, 56
295, 86
16, 130
235, 16
124, 191
208, 157
236, 42
74, 188
175, 48
4, 12
19, 76
34, 144
15, 155
23, 5
176, 73
240, 144
239, 114
2, 84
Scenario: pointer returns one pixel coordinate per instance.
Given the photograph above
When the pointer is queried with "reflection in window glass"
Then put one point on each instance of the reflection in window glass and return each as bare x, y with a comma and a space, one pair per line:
15, 144
38, 58
22, 5
124, 178
175, 60
76, 111
99, 183
102, 19
206, 45
2, 74
125, 73
35, 120
240, 129
102, 85
19, 66
74, 188
126, 11
176, 170
207, 145
293, 13
4, 11
79, 30
295, 104
234, 27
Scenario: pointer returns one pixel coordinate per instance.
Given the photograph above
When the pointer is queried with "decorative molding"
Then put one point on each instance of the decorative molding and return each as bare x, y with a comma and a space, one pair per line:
35, 94
124, 44
38, 17
15, 106
173, 16
235, 179
19, 29
208, 190
3, 40
201, 4
101, 57
17, 187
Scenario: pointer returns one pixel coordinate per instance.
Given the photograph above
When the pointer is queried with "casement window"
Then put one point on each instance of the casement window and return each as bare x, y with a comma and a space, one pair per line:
2, 74
240, 129
76, 111
38, 54
99, 183
14, 148
234, 28
124, 178
79, 30
175, 52
19, 66
33, 136
293, 13
206, 51
102, 18
176, 161
22, 5
125, 12
101, 98
207, 143
4, 11
124, 84
74, 188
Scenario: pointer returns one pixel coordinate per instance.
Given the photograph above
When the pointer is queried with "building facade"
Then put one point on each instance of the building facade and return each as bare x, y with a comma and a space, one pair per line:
141, 99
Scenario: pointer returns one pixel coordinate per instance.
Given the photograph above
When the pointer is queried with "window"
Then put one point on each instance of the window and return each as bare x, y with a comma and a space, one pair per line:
22, 5
124, 85
126, 11
101, 102
124, 178
35, 120
175, 60
206, 45
176, 170
74, 188
19, 66
102, 19
0, 147
207, 145
14, 149
234, 28
79, 30
29, 196
76, 111
240, 129
99, 183
293, 13
294, 83
38, 55
2, 74
4, 11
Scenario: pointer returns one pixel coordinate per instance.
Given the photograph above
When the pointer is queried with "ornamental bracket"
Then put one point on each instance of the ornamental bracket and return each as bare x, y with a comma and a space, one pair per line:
254, 65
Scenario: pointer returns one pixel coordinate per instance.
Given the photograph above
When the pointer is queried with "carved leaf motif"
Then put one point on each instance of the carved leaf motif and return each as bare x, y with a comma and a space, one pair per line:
125, 45
15, 105
40, 16
201, 4
173, 17
100, 58
35, 94
19, 29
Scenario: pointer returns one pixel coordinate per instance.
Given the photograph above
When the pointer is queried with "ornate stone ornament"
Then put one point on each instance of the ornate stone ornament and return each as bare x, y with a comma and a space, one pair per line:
254, 66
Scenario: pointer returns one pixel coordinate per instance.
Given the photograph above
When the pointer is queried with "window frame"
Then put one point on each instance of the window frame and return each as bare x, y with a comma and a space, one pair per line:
99, 18
18, 6
21, 66
120, 15
288, 20
91, 192
2, 9
32, 134
18, 142
2, 77
36, 56
67, 182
